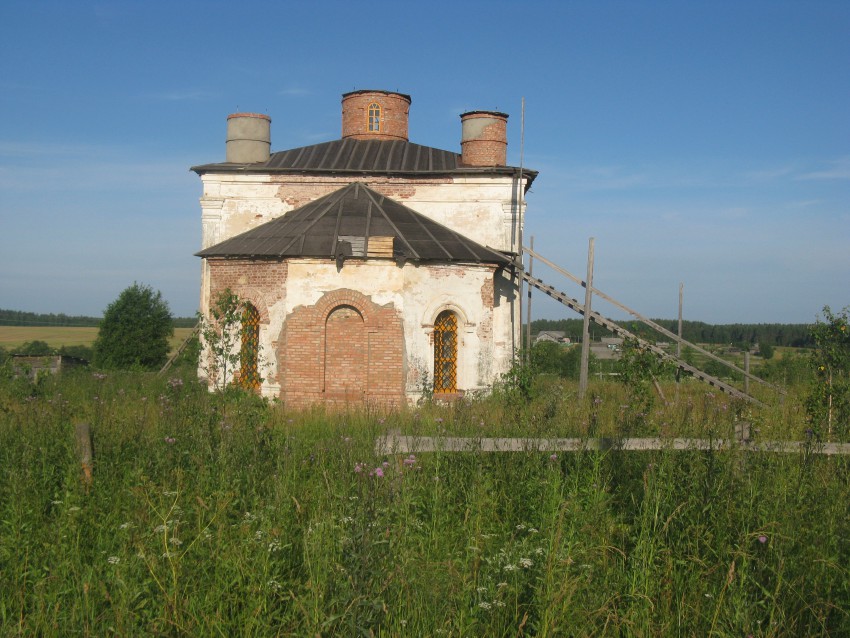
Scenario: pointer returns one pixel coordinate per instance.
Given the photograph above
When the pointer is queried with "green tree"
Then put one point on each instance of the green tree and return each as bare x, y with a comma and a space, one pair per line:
828, 404
230, 355
135, 330
765, 350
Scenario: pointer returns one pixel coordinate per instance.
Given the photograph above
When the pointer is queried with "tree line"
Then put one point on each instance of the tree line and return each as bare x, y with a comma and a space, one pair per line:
22, 318
796, 335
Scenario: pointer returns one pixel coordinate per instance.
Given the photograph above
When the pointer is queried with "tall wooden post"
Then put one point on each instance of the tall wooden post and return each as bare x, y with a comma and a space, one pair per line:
679, 343
528, 313
585, 335
747, 370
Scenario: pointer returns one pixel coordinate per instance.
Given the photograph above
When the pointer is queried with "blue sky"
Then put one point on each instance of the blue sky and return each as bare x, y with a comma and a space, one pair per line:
706, 143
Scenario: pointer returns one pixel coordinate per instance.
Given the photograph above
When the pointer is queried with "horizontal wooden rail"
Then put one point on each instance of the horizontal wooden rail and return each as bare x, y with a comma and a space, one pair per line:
394, 443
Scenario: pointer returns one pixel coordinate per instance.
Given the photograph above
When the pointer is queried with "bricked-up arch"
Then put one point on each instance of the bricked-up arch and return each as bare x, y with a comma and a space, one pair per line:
343, 349
249, 351
346, 346
445, 353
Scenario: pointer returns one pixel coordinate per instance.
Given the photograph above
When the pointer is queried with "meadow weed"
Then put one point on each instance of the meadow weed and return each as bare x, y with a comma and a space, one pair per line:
224, 514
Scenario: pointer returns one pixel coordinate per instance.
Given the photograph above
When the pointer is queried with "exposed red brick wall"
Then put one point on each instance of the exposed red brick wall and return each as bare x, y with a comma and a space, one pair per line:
344, 349
263, 283
394, 115
485, 138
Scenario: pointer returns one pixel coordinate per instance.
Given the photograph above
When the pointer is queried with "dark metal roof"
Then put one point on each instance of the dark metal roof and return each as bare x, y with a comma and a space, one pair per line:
341, 225
352, 156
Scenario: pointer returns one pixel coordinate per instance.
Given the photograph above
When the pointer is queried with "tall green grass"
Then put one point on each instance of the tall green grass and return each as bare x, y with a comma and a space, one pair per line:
225, 516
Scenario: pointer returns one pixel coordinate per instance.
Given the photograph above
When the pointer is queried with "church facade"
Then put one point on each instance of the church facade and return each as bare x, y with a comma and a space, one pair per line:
371, 269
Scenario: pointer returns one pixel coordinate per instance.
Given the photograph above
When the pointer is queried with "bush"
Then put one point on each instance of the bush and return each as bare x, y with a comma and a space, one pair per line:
35, 349
549, 357
135, 330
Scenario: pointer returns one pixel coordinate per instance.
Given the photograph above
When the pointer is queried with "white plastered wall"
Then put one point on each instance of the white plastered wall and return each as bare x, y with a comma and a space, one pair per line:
482, 208
419, 293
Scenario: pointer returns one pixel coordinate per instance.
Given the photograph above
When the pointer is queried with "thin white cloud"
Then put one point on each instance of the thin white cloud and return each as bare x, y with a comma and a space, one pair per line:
769, 174
835, 169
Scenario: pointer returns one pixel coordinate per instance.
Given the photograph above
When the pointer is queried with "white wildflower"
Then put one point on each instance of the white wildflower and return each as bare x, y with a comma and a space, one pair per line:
510, 567
175, 541
125, 525
484, 605
113, 560
274, 585
274, 546
525, 563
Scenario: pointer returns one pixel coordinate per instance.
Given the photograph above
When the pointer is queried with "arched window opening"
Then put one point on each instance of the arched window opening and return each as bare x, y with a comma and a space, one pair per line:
249, 352
375, 117
445, 353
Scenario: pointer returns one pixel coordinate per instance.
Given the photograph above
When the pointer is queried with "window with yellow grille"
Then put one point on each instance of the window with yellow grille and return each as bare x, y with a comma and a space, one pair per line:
374, 117
249, 374
445, 353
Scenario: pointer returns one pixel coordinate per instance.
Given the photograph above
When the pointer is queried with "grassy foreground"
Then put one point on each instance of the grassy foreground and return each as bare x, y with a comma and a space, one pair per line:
213, 516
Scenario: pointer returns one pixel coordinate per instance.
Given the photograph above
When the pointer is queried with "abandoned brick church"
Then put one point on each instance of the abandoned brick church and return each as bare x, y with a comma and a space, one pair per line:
373, 269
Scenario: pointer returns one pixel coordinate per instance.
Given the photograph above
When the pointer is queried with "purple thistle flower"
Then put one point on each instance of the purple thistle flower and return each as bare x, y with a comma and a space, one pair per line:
553, 457
379, 472
762, 539
170, 440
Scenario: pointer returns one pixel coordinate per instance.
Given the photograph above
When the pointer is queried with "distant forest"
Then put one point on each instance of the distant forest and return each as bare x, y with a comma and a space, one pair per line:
797, 335
21, 318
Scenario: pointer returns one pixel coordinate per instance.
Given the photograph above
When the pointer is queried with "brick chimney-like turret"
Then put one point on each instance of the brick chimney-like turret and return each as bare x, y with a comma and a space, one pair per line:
484, 138
375, 115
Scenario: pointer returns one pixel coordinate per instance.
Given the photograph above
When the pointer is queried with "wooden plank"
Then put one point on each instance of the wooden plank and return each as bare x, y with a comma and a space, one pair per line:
395, 443
380, 247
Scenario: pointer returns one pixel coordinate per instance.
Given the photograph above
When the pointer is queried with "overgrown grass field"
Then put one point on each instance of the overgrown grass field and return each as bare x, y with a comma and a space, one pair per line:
214, 515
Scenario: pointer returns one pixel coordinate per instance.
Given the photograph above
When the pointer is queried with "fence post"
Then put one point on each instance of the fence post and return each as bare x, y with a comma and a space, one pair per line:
585, 334
82, 432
